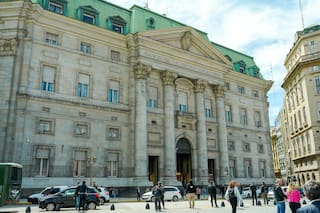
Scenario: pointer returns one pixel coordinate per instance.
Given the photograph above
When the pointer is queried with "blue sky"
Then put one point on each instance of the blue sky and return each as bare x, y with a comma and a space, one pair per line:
263, 29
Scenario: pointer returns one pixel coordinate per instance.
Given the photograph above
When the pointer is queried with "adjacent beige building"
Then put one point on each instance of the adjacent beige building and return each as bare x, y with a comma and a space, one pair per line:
302, 106
85, 96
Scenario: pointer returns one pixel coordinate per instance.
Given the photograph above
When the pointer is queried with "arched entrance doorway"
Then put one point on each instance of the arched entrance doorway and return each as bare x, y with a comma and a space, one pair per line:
184, 167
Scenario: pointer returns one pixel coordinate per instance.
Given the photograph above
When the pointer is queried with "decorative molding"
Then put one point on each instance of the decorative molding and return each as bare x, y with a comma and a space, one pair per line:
168, 77
200, 85
141, 71
218, 90
8, 47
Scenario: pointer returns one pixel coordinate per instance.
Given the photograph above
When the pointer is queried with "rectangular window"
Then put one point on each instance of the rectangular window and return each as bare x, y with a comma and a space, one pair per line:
113, 94
227, 85
48, 77
255, 93
81, 130
241, 90
262, 169
153, 97
260, 148
51, 39
42, 162
115, 55
55, 7
113, 164
117, 28
85, 48
45, 127
207, 108
243, 116
231, 146
228, 111
83, 86
113, 133
79, 164
182, 100
232, 168
246, 147
257, 119
90, 19
317, 84
247, 168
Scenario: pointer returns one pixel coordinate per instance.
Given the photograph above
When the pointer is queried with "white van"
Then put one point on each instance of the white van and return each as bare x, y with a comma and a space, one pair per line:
35, 198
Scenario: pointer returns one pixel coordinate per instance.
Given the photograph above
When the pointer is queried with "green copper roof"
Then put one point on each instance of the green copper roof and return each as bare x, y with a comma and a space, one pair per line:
138, 19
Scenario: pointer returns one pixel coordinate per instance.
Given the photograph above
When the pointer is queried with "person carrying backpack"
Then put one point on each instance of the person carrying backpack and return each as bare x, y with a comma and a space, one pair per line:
233, 195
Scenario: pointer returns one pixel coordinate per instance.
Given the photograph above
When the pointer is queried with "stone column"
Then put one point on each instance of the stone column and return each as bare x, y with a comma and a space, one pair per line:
222, 135
201, 133
141, 72
169, 129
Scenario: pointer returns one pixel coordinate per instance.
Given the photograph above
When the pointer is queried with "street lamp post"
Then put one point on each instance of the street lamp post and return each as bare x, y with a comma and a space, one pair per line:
91, 160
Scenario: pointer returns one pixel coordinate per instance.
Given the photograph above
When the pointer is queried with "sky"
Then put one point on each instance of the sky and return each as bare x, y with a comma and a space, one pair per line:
263, 29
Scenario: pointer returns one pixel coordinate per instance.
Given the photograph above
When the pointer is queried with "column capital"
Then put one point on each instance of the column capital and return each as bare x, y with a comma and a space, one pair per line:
218, 90
8, 46
168, 77
141, 71
200, 85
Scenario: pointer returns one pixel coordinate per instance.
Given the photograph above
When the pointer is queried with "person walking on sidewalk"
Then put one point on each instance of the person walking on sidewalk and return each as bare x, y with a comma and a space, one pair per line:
191, 190
213, 193
253, 189
233, 195
293, 197
280, 197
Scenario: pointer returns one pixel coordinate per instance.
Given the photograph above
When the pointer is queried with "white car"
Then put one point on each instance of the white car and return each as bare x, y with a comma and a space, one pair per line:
35, 198
104, 195
270, 195
171, 193
246, 192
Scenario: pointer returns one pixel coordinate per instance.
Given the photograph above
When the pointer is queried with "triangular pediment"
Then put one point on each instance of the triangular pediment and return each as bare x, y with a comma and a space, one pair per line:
187, 39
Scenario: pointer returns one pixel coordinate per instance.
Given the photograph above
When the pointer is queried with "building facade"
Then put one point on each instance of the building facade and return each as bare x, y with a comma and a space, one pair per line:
126, 97
302, 105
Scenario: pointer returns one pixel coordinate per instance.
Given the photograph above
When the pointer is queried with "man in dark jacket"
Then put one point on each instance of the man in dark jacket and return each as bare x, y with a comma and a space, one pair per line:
213, 193
280, 197
312, 191
83, 195
253, 189
191, 189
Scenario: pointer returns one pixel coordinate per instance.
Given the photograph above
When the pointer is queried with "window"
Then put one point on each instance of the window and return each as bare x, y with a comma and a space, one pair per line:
207, 108
81, 129
262, 170
79, 164
242, 69
227, 85
241, 90
55, 7
317, 84
257, 119
113, 95
113, 133
246, 147
113, 164
45, 126
247, 168
231, 146
255, 93
228, 113
153, 97
48, 76
116, 24
182, 101
232, 168
151, 23
85, 48
117, 28
243, 116
260, 148
88, 18
83, 86
115, 55
51, 39
42, 162
315, 68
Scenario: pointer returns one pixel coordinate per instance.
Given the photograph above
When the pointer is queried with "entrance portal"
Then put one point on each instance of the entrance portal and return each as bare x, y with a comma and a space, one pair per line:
184, 167
153, 169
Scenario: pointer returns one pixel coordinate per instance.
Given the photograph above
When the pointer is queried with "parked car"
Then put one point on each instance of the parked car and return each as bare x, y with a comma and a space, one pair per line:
104, 195
35, 198
65, 199
171, 193
270, 195
246, 192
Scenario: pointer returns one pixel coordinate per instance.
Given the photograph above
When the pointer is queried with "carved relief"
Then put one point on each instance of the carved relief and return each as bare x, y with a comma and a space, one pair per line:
186, 41
168, 77
200, 85
8, 46
218, 90
141, 71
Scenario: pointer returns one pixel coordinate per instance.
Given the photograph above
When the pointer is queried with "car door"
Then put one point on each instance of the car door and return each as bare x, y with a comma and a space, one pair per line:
168, 193
68, 198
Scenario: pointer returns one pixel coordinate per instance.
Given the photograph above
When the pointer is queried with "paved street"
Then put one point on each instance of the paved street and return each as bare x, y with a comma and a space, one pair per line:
202, 206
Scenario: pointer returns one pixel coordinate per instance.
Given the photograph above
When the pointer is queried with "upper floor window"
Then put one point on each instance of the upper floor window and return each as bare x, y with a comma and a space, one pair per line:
228, 111
207, 108
113, 133
246, 147
257, 119
241, 90
88, 14
113, 164
48, 78
317, 84
83, 86
113, 94
262, 170
151, 23
90, 19
81, 129
243, 116
46, 126
231, 146
79, 164
153, 97
183, 102
227, 85
55, 7
42, 162
248, 168
260, 148
116, 24
255, 93
51, 39
85, 48
115, 55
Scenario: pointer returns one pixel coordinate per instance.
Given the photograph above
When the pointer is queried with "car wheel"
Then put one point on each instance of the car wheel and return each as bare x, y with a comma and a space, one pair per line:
175, 198
34, 201
50, 207
152, 198
91, 205
102, 200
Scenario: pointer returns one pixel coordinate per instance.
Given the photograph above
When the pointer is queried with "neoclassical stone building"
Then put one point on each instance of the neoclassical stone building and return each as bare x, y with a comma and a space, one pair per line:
126, 97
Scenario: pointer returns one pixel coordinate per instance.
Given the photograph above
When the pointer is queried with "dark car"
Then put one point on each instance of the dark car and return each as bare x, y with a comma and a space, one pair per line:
66, 199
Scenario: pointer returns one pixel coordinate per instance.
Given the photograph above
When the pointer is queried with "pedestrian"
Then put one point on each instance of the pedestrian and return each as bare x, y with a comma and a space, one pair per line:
212, 190
198, 192
264, 193
157, 197
184, 188
222, 190
312, 192
83, 190
253, 189
138, 193
233, 195
293, 197
77, 196
162, 193
191, 190
280, 197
